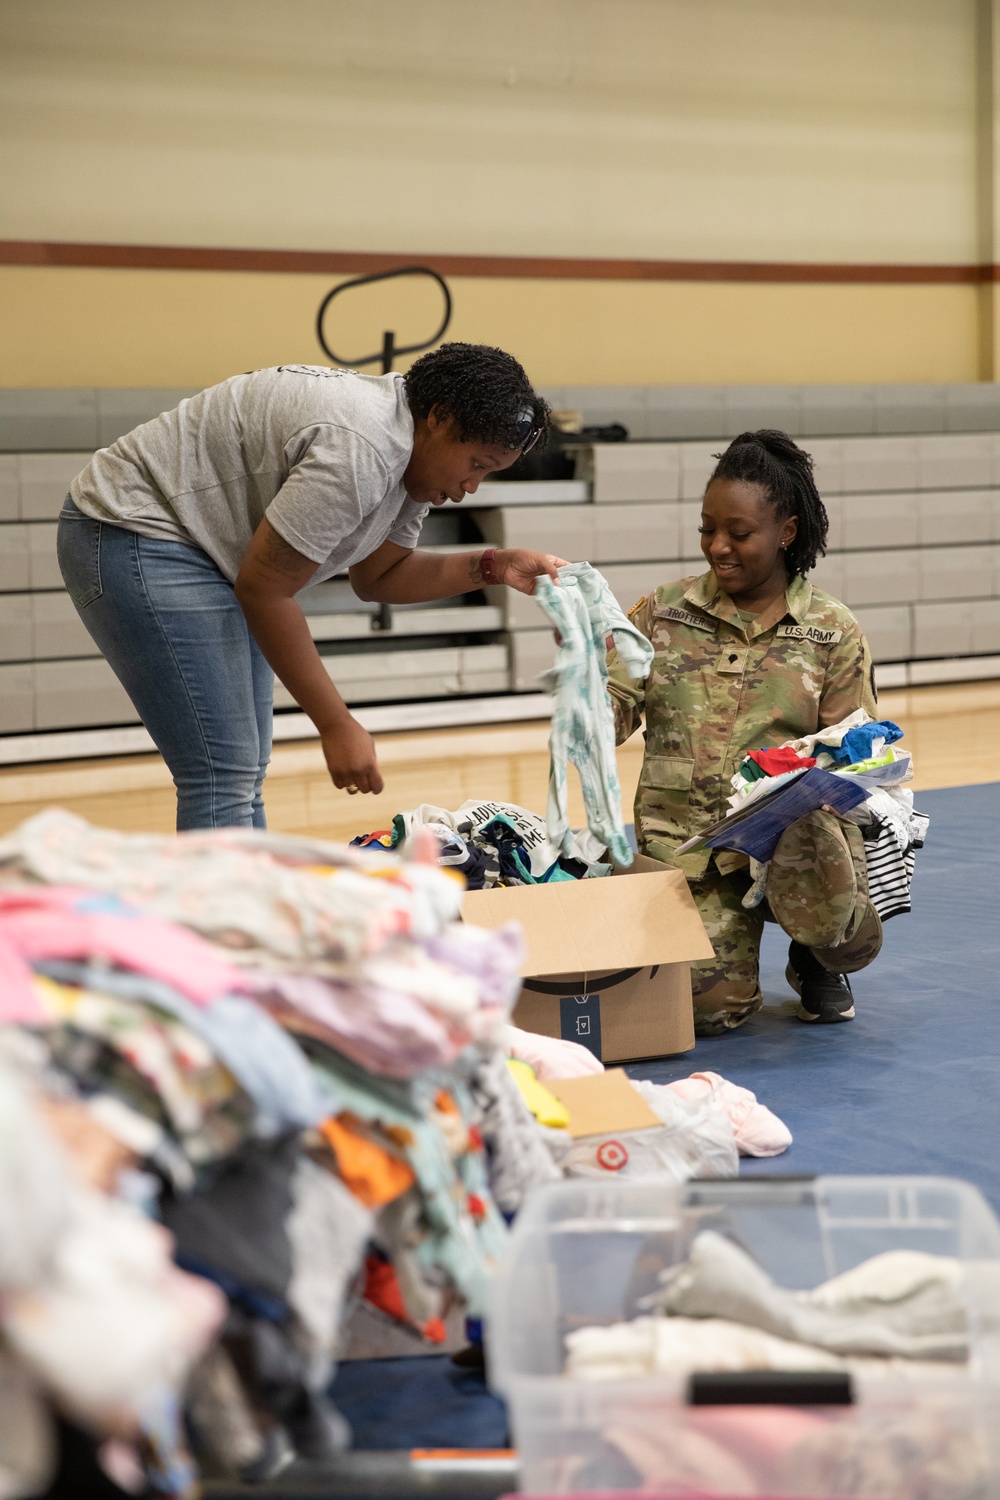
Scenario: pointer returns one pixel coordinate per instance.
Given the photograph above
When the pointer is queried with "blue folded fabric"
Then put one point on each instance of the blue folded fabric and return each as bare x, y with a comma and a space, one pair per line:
857, 743
263, 1058
756, 832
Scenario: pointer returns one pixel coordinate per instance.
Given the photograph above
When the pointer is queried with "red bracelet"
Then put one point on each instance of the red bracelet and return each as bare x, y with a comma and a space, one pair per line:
488, 566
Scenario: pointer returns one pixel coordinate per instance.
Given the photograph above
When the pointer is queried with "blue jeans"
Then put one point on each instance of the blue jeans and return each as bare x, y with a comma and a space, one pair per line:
168, 622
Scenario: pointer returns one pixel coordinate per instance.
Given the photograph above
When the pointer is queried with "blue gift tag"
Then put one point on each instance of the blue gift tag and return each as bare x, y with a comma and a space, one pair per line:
580, 1021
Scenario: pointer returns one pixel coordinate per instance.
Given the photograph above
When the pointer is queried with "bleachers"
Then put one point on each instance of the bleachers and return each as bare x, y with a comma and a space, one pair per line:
910, 475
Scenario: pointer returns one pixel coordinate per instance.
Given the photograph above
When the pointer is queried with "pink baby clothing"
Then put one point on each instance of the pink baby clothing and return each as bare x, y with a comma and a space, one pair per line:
62, 922
19, 1005
382, 1029
758, 1132
550, 1056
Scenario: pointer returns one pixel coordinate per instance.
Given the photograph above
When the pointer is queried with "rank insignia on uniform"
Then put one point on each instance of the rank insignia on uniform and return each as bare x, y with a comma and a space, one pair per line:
684, 617
814, 633
732, 661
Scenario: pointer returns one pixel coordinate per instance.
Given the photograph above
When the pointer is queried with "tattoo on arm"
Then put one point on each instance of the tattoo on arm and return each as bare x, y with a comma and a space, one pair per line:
475, 568
279, 555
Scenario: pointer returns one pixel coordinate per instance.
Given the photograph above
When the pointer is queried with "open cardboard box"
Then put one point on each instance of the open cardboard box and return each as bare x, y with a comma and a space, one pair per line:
608, 961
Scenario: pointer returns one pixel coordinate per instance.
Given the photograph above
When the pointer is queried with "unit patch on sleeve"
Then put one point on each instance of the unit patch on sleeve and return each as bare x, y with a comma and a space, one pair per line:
814, 633
636, 607
684, 617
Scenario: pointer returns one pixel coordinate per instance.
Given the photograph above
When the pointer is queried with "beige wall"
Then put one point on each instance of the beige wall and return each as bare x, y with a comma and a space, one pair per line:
703, 129
788, 130
102, 327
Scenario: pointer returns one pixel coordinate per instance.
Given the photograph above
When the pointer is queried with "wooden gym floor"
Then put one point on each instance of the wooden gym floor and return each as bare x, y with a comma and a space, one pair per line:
953, 733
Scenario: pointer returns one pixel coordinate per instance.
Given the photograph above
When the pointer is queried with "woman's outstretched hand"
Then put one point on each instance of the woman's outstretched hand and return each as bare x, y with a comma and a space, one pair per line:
351, 759
518, 568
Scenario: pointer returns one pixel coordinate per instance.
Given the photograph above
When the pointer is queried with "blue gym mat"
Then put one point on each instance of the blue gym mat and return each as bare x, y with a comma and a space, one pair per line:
421, 1401
911, 1085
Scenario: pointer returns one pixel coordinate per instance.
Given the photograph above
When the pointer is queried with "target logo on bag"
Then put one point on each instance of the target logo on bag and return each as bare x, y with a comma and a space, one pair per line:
612, 1156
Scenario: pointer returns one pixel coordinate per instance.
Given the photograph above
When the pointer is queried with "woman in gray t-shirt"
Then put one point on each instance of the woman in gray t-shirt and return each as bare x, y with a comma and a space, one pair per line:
184, 544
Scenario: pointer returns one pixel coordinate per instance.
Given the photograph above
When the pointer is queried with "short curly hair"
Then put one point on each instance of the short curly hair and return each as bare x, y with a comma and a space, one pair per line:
483, 390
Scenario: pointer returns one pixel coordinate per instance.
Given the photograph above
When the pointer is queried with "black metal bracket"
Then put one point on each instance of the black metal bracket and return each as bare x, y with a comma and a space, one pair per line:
387, 354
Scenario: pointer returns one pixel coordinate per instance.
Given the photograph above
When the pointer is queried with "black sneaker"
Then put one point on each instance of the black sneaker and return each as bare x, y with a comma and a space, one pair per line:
823, 997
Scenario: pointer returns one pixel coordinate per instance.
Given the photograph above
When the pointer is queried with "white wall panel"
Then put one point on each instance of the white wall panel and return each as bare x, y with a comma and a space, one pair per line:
955, 462
950, 516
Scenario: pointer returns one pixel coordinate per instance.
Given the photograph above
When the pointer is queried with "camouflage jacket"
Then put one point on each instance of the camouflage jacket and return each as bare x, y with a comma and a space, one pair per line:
718, 688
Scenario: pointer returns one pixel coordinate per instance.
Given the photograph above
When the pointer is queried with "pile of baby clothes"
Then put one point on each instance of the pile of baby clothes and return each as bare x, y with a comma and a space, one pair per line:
862, 751
99, 1327
287, 1060
247, 1080
496, 843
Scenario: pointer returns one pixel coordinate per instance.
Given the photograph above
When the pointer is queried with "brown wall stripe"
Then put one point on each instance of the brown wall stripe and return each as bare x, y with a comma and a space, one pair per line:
336, 262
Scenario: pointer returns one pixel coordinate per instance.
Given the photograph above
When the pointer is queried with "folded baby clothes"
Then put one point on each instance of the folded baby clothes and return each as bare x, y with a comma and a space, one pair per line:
374, 1174
748, 773
500, 839
460, 1232
520, 1158
255, 1050
758, 1131
890, 871
682, 1346
382, 838
550, 1056
466, 859
474, 815
585, 612
546, 1108
686, 1346
864, 741
829, 738
258, 900
893, 831
900, 1303
327, 1232
506, 844
57, 922
782, 758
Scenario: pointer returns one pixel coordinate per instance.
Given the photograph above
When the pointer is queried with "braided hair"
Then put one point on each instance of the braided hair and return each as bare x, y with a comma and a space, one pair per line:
484, 391
784, 472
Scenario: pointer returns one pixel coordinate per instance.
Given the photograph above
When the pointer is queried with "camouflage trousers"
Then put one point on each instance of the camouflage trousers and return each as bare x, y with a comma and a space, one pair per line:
817, 891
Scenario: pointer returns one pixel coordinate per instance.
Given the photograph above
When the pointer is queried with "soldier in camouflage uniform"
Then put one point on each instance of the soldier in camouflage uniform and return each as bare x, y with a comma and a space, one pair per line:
751, 655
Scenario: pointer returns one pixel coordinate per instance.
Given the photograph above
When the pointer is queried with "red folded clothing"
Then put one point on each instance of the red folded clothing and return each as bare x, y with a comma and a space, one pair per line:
779, 760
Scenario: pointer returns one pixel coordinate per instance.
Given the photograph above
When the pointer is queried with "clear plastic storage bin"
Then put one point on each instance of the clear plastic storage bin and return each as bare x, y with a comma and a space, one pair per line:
589, 1253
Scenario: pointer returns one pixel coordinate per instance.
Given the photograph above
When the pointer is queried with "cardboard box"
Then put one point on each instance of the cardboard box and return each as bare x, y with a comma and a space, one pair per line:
602, 1103
608, 961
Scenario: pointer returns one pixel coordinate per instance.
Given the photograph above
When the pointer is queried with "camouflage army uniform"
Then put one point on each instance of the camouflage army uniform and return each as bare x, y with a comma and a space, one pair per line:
718, 688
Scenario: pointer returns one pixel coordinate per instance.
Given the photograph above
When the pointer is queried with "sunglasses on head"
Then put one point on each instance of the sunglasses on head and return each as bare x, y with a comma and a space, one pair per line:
526, 432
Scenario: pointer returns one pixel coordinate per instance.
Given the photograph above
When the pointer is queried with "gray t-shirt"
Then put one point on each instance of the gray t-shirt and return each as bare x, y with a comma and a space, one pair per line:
320, 452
